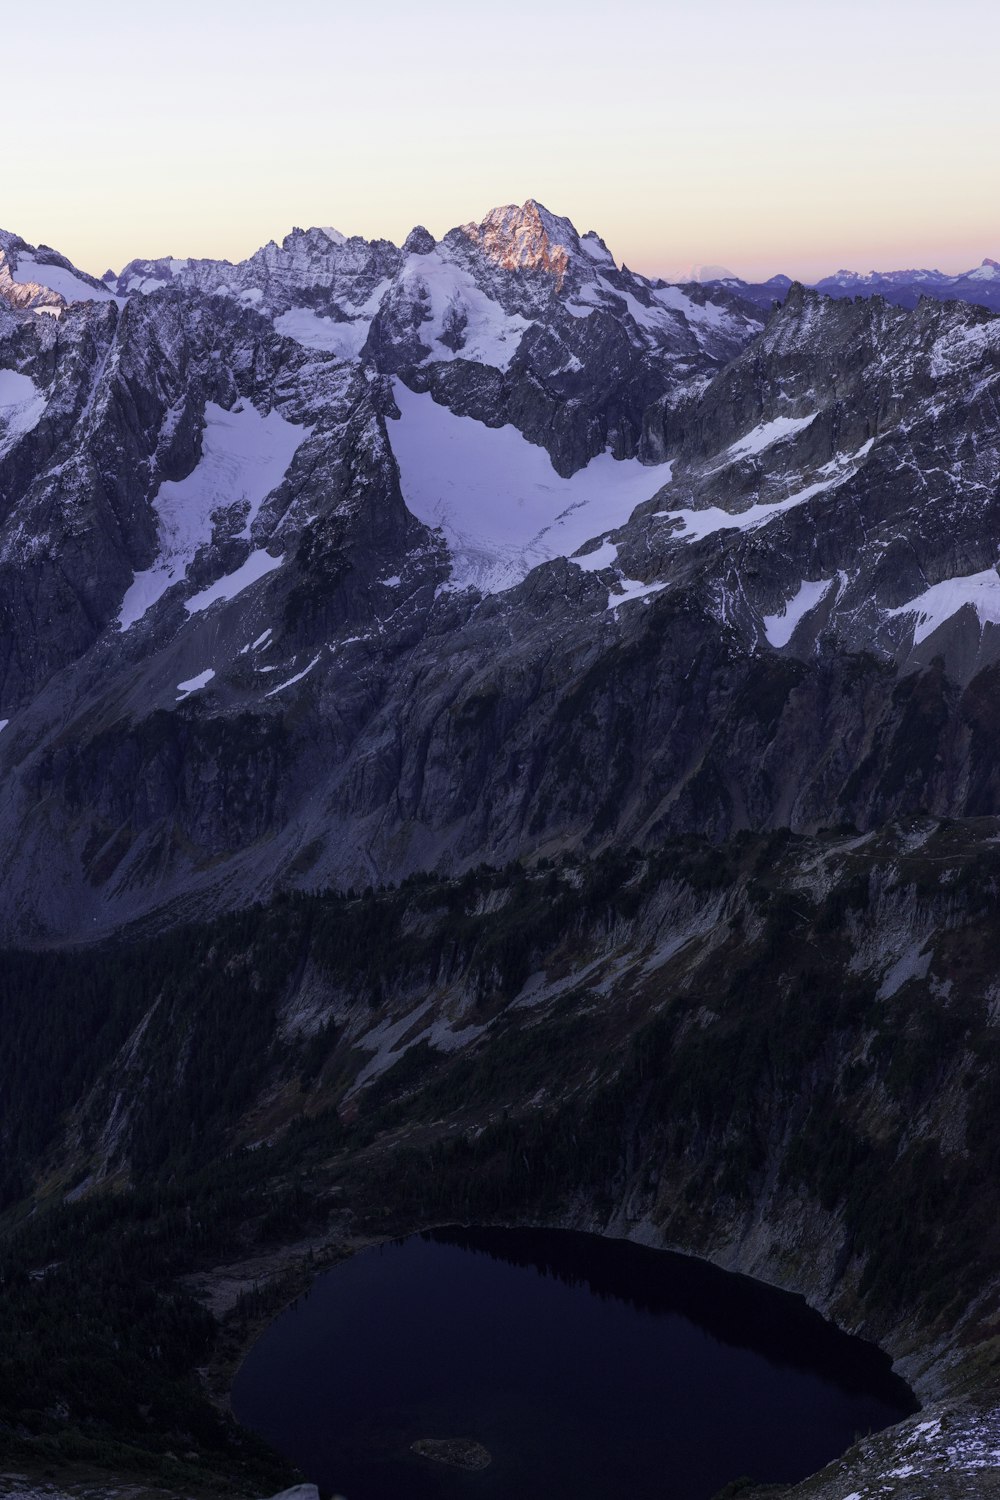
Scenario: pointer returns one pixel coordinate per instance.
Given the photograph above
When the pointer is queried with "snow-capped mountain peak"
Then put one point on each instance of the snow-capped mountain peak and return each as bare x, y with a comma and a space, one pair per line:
42, 280
526, 238
298, 500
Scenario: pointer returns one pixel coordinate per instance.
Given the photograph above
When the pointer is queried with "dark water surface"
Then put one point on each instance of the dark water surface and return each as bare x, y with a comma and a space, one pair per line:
590, 1369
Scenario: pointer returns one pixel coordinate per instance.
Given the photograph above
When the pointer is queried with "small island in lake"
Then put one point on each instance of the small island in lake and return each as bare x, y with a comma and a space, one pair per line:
458, 1453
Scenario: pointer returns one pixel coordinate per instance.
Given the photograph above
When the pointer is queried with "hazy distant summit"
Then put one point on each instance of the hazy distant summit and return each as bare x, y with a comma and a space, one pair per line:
702, 273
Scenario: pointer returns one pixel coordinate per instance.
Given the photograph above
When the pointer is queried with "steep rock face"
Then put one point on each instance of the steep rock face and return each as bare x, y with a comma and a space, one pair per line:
388, 604
778, 1053
775, 1053
121, 397
510, 295
526, 239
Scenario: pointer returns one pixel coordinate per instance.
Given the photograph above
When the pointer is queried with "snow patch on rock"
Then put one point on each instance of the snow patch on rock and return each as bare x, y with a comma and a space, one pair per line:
780, 628
697, 524
964, 345
604, 556
632, 588
257, 565
943, 600
263, 640
912, 964
766, 434
292, 680
194, 684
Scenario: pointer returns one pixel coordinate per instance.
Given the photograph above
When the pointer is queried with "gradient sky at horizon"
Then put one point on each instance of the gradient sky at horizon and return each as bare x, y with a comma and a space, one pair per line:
770, 136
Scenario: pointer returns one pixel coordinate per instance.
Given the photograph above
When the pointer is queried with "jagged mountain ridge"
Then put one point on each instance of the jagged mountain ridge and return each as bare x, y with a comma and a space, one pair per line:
291, 600
473, 295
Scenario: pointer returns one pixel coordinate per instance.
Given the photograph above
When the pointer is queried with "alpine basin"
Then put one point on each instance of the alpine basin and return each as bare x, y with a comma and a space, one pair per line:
587, 1368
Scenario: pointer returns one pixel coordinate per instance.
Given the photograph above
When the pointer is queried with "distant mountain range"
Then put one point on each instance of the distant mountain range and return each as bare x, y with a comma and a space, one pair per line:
902, 288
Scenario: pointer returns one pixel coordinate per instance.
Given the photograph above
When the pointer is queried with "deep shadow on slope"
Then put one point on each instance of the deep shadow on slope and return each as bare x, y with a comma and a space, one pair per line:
780, 1054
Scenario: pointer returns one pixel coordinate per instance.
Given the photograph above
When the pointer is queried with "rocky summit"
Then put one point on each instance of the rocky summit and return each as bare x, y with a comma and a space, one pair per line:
272, 530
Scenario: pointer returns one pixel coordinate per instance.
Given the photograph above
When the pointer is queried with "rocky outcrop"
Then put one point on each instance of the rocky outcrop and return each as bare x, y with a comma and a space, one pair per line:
454, 1453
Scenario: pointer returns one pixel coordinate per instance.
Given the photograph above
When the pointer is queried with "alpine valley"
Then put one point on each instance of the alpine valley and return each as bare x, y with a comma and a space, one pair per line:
487, 736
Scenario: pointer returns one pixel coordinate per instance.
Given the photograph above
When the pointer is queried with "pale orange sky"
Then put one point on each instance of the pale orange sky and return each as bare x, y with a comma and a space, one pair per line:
766, 137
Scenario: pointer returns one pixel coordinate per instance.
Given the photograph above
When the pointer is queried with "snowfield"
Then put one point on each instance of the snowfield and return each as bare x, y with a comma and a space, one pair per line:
345, 338
698, 524
502, 506
661, 315
313, 331
22, 405
244, 456
453, 301
59, 280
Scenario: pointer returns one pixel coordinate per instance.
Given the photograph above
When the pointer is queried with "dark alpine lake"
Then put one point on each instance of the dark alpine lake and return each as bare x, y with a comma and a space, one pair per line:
588, 1368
